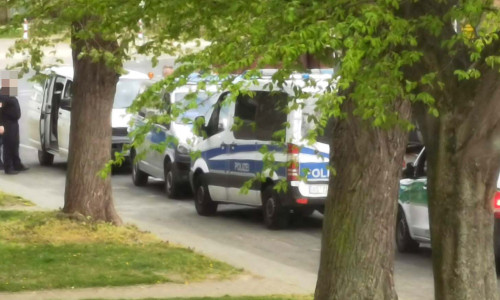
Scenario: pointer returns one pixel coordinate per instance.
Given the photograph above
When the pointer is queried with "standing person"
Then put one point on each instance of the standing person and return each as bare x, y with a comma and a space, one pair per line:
2, 129
10, 115
167, 71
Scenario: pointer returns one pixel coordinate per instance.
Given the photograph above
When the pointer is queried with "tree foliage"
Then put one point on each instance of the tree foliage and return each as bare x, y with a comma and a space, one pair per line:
435, 54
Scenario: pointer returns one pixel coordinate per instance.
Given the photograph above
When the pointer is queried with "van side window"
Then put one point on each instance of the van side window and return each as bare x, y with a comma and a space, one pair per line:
57, 93
245, 110
261, 116
68, 90
67, 96
270, 117
219, 117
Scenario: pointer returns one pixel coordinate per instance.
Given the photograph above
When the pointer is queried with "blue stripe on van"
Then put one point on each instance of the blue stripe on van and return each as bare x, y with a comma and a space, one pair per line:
317, 170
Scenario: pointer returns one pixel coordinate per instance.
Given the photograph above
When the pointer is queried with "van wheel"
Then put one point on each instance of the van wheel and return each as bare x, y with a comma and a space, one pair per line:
275, 215
171, 187
45, 158
203, 203
404, 242
139, 178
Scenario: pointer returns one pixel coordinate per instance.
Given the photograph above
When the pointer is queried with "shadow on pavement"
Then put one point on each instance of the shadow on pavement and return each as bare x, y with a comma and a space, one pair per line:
254, 216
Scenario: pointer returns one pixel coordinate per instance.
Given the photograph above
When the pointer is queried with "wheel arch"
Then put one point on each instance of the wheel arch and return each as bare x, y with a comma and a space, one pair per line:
263, 186
402, 209
167, 159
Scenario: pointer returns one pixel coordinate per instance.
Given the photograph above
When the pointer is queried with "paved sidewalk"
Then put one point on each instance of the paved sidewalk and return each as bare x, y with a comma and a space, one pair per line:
245, 285
61, 53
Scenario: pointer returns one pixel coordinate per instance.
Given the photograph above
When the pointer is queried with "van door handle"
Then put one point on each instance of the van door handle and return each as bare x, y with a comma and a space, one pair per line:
232, 146
223, 146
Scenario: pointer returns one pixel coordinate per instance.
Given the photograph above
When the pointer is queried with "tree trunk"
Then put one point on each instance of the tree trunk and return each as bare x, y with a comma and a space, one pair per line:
4, 15
90, 135
463, 156
357, 254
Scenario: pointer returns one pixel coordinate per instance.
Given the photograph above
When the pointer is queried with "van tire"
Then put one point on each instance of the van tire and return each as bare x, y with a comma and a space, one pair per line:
404, 242
203, 203
171, 187
139, 178
275, 215
45, 158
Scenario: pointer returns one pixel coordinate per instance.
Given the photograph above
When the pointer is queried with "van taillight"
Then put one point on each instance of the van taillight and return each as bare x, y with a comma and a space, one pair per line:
292, 173
496, 201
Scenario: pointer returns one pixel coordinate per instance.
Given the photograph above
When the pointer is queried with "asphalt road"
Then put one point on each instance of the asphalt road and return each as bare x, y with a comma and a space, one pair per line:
236, 234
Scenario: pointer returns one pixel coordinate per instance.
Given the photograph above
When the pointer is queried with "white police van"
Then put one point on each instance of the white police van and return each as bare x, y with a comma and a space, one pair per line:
49, 113
229, 158
171, 165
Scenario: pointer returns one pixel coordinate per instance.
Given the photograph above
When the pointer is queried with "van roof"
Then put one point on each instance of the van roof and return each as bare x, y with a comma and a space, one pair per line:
67, 71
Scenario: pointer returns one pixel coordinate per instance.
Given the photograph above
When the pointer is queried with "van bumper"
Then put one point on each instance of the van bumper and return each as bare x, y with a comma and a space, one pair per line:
117, 144
294, 199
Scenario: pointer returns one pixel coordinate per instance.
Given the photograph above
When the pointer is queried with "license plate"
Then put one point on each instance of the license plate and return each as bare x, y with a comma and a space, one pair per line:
318, 189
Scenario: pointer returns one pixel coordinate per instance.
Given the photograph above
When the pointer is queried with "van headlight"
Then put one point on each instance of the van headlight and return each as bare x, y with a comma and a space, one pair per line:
182, 149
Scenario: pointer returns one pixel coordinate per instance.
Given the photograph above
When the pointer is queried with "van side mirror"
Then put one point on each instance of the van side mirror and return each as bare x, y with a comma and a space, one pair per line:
199, 127
148, 112
222, 125
65, 104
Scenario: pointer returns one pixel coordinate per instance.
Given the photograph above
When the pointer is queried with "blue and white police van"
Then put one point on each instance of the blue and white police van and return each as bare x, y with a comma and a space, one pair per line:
171, 165
229, 157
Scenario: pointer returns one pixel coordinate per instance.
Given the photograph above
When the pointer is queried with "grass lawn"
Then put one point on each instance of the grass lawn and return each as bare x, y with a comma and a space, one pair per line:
7, 200
42, 250
273, 297
11, 33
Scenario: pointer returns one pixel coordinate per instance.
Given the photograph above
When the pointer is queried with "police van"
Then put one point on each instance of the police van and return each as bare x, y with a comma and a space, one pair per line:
49, 114
413, 225
172, 164
229, 157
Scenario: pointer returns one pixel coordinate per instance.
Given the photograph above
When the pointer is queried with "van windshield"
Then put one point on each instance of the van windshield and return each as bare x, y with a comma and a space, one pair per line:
126, 91
203, 101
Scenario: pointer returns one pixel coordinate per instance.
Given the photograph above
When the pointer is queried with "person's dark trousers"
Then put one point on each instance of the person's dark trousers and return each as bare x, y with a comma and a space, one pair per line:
1, 148
11, 159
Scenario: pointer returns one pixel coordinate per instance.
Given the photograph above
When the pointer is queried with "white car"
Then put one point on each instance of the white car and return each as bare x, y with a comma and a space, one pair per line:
49, 114
171, 165
413, 226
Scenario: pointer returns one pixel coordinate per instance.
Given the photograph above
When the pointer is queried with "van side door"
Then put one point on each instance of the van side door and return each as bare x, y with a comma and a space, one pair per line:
243, 152
418, 208
260, 119
64, 119
46, 110
215, 148
35, 113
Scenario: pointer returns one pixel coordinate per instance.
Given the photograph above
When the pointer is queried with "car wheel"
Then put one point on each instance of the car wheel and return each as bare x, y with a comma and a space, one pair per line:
404, 242
496, 245
275, 215
203, 203
139, 177
45, 158
171, 187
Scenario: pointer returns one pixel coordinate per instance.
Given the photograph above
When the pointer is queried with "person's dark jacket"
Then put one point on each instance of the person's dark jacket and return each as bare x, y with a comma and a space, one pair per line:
10, 111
